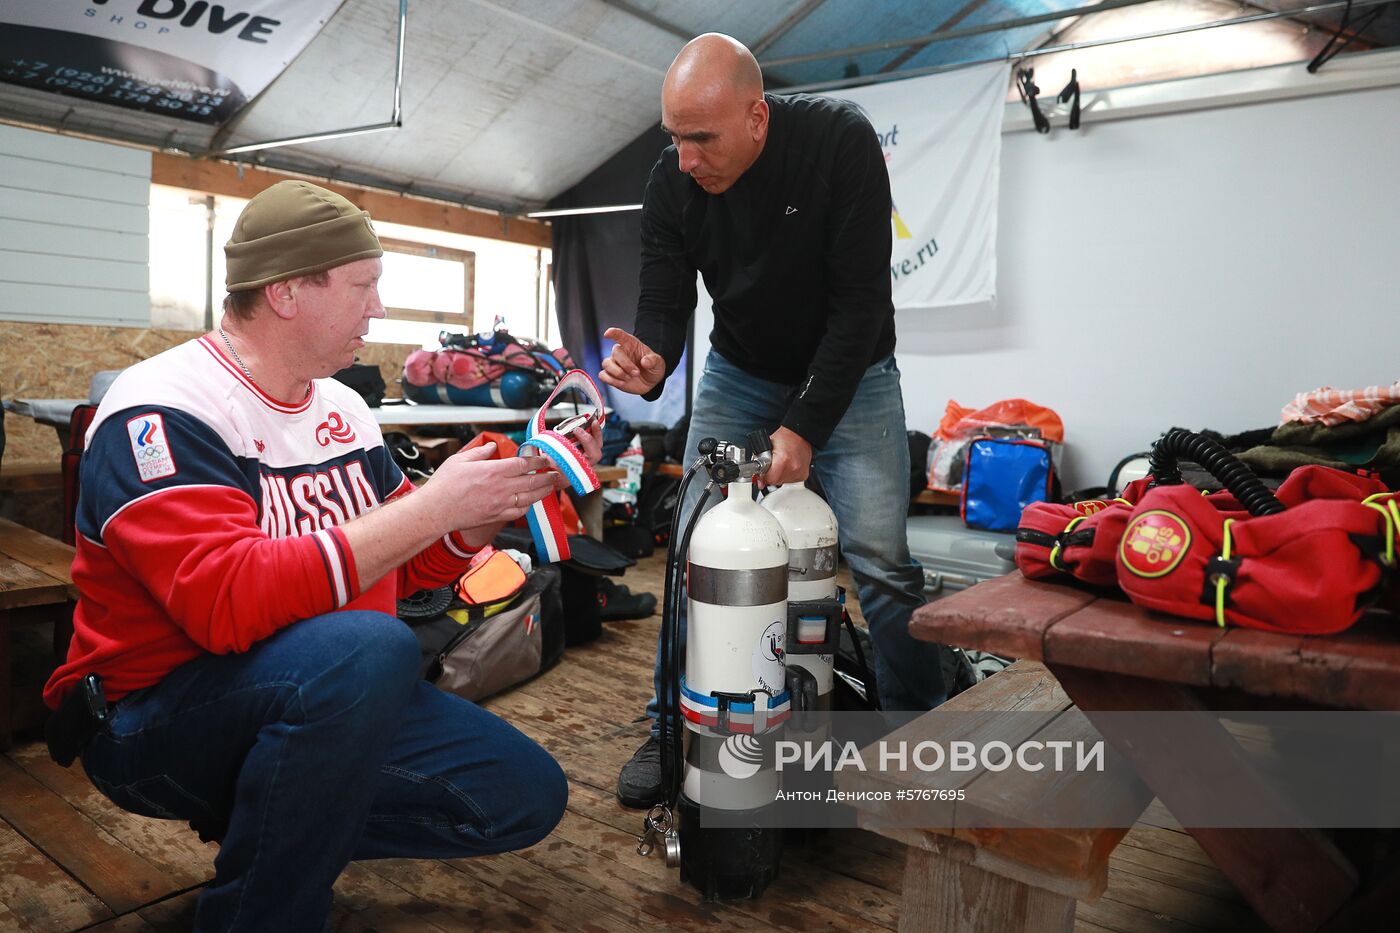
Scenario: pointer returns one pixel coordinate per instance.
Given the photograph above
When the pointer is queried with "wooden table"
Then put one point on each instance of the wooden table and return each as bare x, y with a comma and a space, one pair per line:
1110, 655
35, 586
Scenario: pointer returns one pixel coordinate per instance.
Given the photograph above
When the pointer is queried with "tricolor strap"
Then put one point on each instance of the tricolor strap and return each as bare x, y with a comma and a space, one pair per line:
544, 518
741, 717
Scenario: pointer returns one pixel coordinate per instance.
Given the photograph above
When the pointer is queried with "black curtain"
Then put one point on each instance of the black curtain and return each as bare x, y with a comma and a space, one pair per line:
597, 257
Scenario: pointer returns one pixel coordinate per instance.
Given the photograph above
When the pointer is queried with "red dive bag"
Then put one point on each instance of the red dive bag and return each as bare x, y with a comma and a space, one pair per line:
1078, 539
1307, 561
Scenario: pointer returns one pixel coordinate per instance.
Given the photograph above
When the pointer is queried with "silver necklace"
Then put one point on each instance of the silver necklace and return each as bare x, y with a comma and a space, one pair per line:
236, 358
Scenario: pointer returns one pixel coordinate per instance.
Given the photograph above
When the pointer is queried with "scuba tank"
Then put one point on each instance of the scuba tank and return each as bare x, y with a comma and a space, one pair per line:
754, 658
724, 711
814, 601
733, 695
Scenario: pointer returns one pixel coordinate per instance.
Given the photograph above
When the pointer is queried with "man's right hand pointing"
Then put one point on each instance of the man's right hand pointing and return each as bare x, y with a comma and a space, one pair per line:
633, 366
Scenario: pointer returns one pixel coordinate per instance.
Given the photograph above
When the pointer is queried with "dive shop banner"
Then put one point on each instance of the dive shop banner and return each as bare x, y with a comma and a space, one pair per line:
942, 140
192, 59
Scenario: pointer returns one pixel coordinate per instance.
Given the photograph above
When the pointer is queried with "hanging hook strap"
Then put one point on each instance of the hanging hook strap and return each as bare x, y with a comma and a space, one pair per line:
1340, 40
1025, 84
1071, 91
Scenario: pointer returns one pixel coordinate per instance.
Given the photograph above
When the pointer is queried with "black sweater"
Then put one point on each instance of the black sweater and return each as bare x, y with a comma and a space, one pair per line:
795, 255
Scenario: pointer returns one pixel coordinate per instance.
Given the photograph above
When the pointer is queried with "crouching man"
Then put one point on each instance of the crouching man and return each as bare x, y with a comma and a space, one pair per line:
243, 536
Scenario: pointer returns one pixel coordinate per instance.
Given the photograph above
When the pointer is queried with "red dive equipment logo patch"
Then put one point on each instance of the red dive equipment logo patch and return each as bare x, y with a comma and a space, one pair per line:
1154, 544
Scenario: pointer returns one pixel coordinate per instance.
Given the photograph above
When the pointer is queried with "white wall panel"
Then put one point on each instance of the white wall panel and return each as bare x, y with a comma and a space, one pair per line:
52, 177
45, 269
1185, 269
24, 236
72, 210
1191, 269
31, 144
74, 223
64, 304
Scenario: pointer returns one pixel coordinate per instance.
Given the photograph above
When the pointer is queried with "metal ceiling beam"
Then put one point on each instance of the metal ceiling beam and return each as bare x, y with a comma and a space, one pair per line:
366, 178
932, 37
1371, 40
369, 178
395, 121
1074, 46
792, 19
231, 126
567, 36
411, 208
574, 211
650, 19
784, 26
967, 10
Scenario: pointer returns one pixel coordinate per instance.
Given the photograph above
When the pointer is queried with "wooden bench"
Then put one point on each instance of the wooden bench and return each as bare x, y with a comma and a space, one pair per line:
978, 868
35, 587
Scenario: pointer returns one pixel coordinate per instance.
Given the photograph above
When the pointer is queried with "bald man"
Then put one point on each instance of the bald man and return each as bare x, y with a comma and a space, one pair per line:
782, 203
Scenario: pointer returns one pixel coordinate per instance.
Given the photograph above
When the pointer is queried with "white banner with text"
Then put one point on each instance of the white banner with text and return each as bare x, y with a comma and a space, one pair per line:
942, 140
190, 59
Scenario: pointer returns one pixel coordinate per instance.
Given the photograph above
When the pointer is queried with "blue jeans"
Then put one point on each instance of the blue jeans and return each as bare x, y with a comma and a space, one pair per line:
864, 470
320, 745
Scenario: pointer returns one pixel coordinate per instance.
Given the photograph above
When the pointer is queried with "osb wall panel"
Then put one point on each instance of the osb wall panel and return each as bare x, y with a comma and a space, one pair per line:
40, 509
389, 358
58, 361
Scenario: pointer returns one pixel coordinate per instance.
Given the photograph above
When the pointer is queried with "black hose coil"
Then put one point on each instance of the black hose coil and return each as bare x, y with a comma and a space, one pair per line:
1237, 478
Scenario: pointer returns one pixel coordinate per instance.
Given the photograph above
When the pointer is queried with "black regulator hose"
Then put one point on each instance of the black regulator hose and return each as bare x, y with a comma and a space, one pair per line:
668, 698
1237, 478
872, 699
673, 747
666, 708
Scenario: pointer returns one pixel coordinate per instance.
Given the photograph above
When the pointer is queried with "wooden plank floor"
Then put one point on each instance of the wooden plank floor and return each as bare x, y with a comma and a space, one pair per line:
69, 860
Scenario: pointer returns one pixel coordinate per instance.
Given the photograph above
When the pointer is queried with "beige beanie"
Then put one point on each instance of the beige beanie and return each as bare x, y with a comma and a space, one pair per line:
295, 228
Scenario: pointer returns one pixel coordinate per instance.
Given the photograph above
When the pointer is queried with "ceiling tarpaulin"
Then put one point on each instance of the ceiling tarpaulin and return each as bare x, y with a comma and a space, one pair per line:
942, 140
189, 59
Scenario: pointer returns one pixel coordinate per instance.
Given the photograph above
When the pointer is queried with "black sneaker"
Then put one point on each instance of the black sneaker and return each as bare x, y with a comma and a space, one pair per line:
616, 602
639, 783
408, 457
210, 829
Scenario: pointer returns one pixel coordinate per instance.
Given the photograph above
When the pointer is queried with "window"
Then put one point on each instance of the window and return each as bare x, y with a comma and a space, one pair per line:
433, 280
435, 284
179, 258
510, 279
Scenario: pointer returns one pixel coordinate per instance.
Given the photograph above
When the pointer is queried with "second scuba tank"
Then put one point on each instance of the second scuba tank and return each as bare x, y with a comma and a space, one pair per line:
809, 527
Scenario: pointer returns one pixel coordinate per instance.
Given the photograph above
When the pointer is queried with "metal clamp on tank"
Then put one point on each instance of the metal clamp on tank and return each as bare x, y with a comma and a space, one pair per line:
814, 626
724, 710
813, 632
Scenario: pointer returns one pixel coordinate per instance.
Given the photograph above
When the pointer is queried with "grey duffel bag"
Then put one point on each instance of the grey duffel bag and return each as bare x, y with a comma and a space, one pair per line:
474, 654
